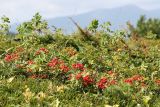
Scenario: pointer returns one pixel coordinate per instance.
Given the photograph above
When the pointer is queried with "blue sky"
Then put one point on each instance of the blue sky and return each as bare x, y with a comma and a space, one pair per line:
20, 10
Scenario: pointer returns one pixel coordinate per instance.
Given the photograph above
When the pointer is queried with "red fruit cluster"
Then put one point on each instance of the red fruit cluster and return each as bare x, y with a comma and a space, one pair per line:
44, 50
11, 57
30, 62
53, 62
129, 81
56, 62
87, 80
137, 78
133, 78
64, 68
78, 66
102, 83
78, 76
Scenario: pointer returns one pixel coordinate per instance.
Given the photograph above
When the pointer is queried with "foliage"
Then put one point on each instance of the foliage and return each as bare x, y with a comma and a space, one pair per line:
4, 26
148, 28
36, 25
54, 69
93, 25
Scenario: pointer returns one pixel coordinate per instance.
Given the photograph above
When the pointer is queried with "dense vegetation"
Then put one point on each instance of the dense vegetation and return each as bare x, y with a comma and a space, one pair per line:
93, 67
147, 28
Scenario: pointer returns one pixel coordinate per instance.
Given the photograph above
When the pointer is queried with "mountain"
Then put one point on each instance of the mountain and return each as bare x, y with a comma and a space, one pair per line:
117, 16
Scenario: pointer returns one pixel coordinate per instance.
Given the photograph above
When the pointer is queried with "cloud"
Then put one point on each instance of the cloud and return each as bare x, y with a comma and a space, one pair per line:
20, 10
25, 9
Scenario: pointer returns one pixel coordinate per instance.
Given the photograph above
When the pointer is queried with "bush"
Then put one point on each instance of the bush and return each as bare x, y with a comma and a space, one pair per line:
68, 70
148, 28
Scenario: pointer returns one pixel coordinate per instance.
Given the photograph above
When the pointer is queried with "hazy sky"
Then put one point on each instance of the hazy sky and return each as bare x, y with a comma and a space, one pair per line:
20, 10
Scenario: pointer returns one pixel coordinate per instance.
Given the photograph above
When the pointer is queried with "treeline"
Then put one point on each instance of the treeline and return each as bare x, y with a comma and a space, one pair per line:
148, 28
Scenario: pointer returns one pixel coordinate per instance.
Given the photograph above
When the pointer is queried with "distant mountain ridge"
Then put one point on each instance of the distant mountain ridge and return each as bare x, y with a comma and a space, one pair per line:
117, 16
